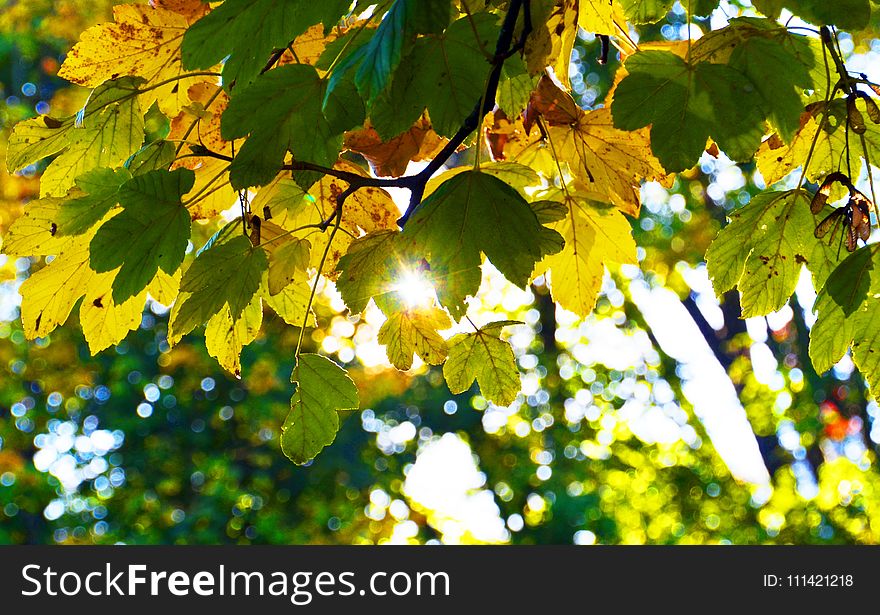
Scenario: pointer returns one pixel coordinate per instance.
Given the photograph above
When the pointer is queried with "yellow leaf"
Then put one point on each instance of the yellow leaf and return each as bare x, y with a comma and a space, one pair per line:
285, 262
225, 338
415, 331
291, 303
103, 322
593, 238
776, 159
211, 189
611, 162
142, 42
164, 288
600, 16
483, 356
48, 295
552, 44
368, 209
34, 232
199, 123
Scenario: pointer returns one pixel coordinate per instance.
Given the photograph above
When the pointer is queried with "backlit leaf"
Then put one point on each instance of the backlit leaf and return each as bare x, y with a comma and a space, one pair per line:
685, 104
150, 232
415, 331
141, 42
323, 390
470, 214
227, 274
484, 357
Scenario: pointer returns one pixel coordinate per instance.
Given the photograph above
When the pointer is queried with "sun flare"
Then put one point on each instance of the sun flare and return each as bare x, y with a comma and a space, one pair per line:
414, 289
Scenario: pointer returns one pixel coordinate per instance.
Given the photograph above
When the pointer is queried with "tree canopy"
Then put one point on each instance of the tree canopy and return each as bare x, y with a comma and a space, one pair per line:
310, 178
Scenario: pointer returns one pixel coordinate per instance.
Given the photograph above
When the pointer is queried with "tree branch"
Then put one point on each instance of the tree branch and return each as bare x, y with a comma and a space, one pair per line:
504, 49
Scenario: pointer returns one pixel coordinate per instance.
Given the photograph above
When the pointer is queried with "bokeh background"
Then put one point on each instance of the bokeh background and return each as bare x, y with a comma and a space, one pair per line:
662, 418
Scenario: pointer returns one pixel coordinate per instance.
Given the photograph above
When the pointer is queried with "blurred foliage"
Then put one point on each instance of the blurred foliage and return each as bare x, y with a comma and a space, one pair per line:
146, 444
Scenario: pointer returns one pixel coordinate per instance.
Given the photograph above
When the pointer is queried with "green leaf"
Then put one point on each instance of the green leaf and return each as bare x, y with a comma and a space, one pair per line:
229, 273
484, 357
108, 130
780, 77
367, 271
377, 60
849, 315
516, 86
246, 32
470, 214
445, 73
685, 104
762, 251
646, 11
282, 111
156, 155
323, 390
101, 187
151, 231
845, 14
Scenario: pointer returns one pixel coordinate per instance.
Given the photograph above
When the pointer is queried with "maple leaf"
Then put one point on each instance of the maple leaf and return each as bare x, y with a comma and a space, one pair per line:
391, 157
150, 232
610, 162
849, 316
244, 33
228, 273
297, 212
96, 194
594, 237
469, 214
108, 130
763, 249
286, 262
415, 331
689, 102
142, 41
199, 123
323, 390
552, 41
103, 321
225, 336
448, 89
49, 294
484, 357
283, 111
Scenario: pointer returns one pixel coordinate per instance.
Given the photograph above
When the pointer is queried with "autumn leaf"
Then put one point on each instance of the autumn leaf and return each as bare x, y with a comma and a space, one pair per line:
610, 162
103, 321
391, 157
323, 390
142, 41
108, 130
297, 212
595, 237
552, 42
415, 331
484, 357
49, 294
286, 262
225, 336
